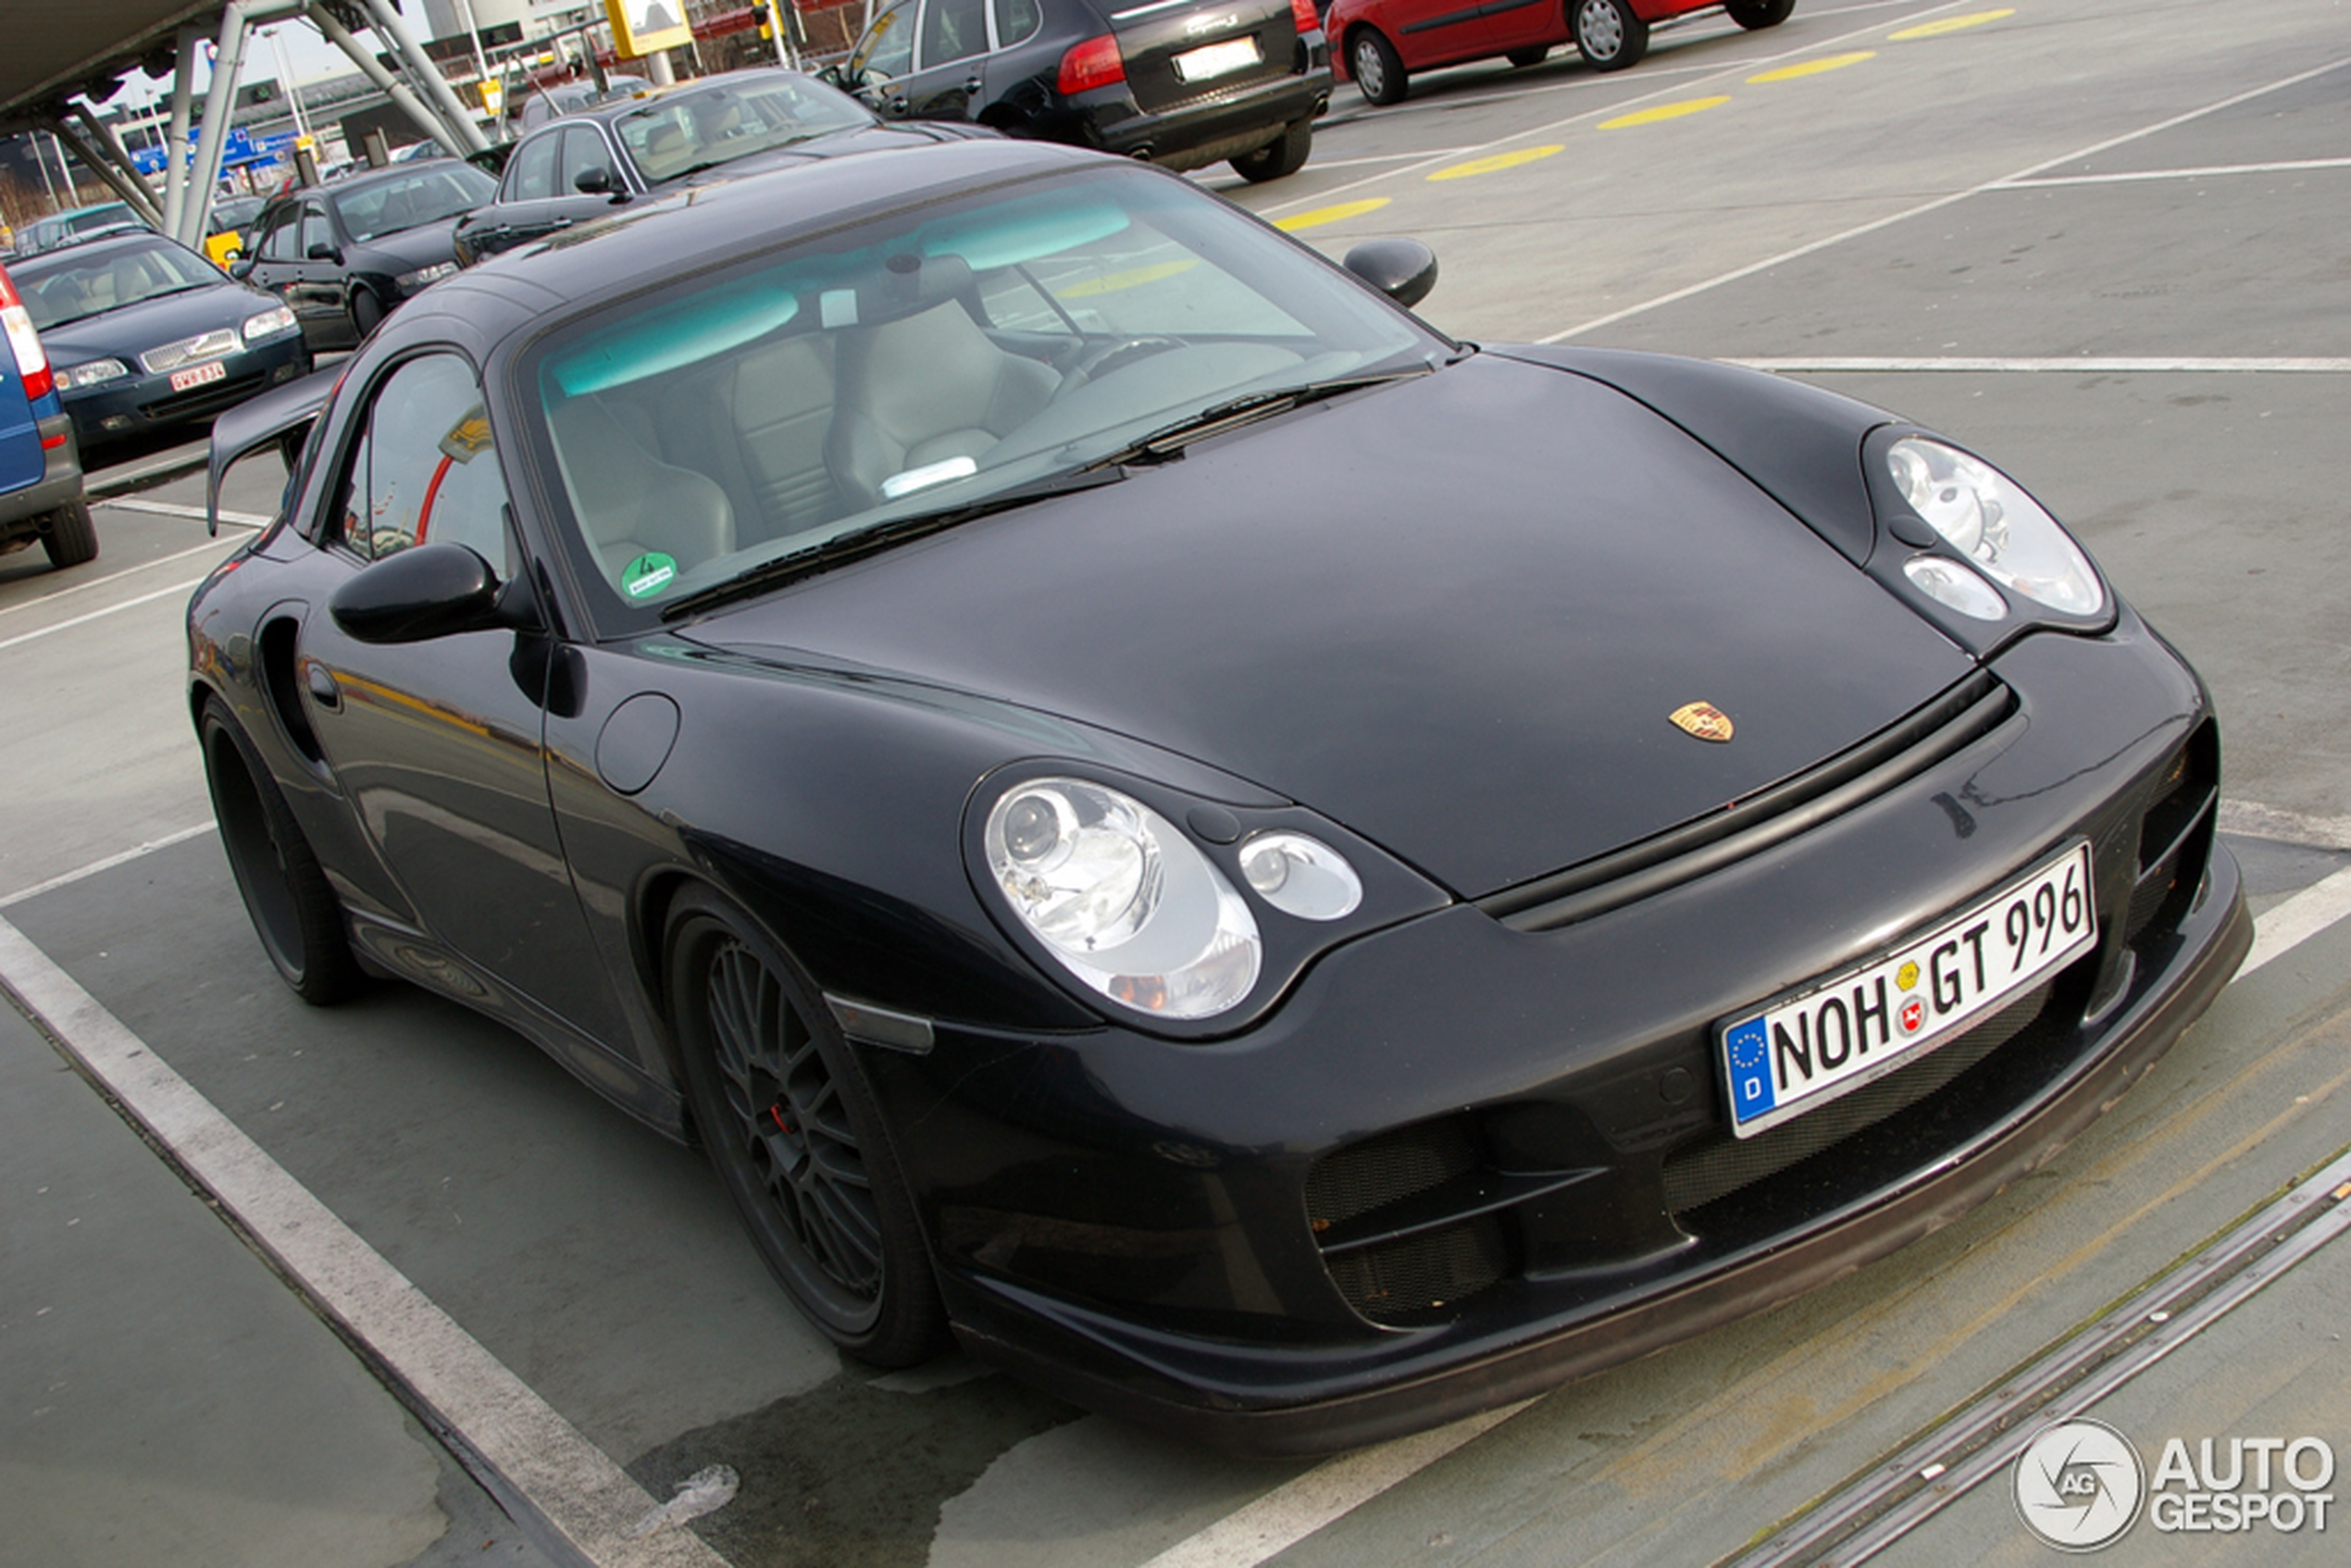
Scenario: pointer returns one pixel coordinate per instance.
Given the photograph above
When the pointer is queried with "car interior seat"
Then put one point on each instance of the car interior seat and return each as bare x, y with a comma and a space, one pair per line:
628, 502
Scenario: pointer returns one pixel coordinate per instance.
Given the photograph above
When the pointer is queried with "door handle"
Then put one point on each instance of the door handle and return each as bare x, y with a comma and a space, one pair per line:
972, 84
323, 690
896, 106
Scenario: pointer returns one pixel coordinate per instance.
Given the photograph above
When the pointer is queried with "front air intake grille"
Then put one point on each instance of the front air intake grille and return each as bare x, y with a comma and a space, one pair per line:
1388, 1169
1422, 1278
1439, 1255
1964, 714
1701, 1172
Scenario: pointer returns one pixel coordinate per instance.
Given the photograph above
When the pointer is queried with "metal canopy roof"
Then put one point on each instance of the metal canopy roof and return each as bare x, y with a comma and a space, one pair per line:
57, 48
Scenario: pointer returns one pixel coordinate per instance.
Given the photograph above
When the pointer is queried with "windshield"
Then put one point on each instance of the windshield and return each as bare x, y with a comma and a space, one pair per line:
427, 196
74, 286
920, 364
705, 127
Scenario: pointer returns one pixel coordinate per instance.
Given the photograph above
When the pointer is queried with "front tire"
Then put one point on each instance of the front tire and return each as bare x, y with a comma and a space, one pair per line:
1378, 71
367, 311
72, 538
1608, 33
1522, 58
1279, 158
1755, 15
293, 907
784, 1110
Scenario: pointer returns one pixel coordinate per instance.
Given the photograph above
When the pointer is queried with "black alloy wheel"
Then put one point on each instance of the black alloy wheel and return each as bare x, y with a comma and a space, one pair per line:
1608, 33
784, 1111
1377, 70
294, 909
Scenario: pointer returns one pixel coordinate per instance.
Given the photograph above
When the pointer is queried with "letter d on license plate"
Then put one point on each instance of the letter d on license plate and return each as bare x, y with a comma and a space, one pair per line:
1836, 1035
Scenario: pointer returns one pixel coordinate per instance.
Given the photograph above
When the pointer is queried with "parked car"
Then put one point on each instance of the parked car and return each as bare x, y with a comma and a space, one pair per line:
595, 160
40, 495
1185, 84
1379, 42
147, 336
541, 105
345, 254
1294, 970
226, 225
75, 224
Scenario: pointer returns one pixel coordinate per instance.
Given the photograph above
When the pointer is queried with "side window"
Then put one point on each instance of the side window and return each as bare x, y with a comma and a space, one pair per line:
888, 48
583, 150
424, 468
953, 30
531, 177
278, 244
1017, 21
314, 228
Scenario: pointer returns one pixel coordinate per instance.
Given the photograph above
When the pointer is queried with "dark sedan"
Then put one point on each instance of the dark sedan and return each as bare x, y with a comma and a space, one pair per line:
1269, 869
146, 336
1184, 82
601, 158
345, 254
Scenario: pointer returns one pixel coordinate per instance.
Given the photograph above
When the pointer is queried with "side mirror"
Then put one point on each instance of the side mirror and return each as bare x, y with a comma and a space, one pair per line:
1405, 270
324, 252
430, 590
593, 182
240, 266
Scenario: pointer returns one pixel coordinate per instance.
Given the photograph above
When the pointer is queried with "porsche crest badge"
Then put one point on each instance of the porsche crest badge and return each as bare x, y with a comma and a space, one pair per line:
1702, 719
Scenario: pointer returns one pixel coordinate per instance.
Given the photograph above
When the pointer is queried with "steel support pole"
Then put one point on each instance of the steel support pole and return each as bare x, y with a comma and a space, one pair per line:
99, 154
389, 26
389, 85
175, 161
219, 107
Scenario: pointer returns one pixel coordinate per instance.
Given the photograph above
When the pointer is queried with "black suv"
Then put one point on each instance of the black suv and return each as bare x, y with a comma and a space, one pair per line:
1182, 83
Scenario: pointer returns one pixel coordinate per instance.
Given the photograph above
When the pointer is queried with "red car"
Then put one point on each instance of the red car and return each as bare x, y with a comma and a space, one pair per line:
1376, 42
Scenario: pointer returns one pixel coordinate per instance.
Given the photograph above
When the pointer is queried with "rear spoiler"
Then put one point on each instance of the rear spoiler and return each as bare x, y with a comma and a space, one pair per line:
260, 421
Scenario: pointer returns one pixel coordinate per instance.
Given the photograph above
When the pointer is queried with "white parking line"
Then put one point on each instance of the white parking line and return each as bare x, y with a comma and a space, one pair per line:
108, 864
2292, 167
532, 1454
2004, 181
84, 619
182, 509
51, 596
2057, 363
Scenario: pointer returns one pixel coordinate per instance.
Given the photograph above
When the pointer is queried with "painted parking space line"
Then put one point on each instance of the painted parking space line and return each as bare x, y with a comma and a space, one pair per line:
1495, 163
1938, 203
107, 863
1315, 219
535, 1460
1664, 112
87, 584
1949, 24
1812, 67
2108, 365
2210, 172
88, 615
182, 509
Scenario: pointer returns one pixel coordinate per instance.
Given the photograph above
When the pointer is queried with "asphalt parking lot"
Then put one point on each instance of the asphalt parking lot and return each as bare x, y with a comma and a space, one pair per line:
2100, 241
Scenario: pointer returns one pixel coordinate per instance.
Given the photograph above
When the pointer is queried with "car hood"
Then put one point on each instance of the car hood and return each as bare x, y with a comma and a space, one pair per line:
1453, 614
407, 249
135, 329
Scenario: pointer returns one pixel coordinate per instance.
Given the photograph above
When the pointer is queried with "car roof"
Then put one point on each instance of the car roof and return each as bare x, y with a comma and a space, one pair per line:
662, 236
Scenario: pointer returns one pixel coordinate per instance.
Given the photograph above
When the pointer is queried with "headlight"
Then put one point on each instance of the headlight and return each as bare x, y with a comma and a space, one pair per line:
411, 282
1301, 875
269, 324
1995, 526
1121, 899
89, 373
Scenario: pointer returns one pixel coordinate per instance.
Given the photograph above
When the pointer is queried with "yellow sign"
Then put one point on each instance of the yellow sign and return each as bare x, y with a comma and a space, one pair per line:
647, 27
494, 94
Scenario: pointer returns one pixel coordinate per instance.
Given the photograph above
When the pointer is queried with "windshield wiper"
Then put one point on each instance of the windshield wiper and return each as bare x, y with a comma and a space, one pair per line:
1166, 443
876, 537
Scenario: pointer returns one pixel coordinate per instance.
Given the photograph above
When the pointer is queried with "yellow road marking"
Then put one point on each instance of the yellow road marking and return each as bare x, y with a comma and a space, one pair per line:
1663, 111
1339, 214
1111, 283
1949, 24
1498, 161
1813, 67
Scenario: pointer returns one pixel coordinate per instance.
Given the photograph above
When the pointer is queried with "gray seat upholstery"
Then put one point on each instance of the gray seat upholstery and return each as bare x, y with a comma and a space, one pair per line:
782, 402
630, 503
923, 389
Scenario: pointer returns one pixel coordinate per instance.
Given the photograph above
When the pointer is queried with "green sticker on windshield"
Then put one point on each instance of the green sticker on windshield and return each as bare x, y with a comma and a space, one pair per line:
648, 575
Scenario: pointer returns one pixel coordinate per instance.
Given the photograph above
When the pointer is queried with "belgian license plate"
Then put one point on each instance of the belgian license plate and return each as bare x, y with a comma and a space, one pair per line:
1836, 1035
198, 375
1207, 63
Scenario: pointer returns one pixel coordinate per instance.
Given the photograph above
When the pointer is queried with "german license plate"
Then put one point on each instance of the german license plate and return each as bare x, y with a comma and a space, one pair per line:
1210, 61
198, 375
1836, 1035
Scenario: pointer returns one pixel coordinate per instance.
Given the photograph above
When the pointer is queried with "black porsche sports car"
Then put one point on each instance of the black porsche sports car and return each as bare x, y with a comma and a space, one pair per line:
1273, 871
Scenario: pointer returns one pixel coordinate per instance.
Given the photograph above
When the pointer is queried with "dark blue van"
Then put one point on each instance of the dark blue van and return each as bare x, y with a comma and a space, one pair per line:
40, 466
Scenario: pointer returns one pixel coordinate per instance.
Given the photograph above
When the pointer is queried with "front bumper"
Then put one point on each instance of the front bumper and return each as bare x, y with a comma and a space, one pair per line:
143, 403
1162, 1231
